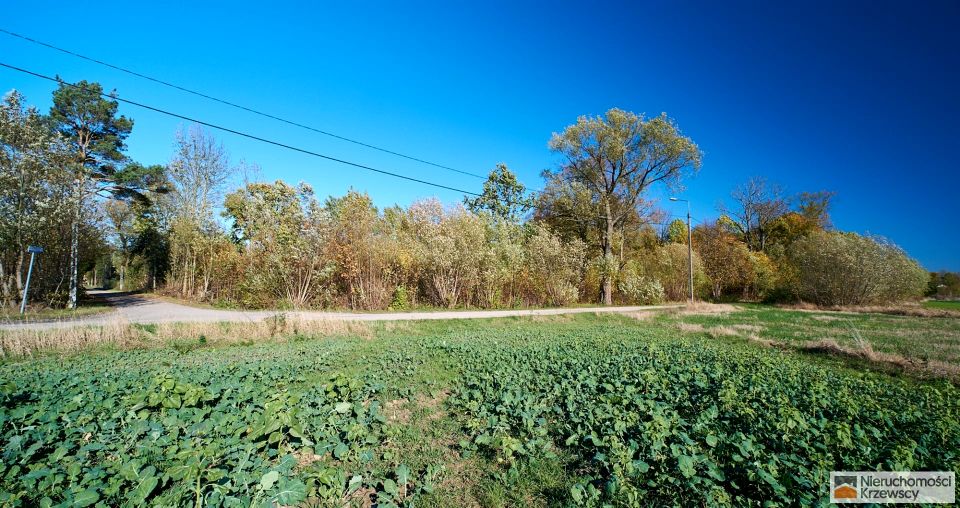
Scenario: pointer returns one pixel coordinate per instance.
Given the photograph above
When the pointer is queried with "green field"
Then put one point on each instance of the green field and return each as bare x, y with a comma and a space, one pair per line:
915, 338
581, 410
943, 304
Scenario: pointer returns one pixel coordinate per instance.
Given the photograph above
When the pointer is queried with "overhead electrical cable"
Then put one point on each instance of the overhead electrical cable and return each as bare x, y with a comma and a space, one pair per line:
240, 106
243, 134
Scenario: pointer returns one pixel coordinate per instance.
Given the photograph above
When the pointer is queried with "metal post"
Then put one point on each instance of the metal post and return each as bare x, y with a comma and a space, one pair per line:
690, 251
26, 287
689, 246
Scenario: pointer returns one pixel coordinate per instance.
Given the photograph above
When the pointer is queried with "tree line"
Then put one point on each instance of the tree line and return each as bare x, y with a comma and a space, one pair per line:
593, 234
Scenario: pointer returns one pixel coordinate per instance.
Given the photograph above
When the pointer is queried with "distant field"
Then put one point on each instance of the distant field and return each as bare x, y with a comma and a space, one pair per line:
944, 304
917, 338
650, 409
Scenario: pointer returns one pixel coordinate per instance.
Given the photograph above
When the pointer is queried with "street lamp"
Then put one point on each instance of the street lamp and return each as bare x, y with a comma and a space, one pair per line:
33, 250
689, 245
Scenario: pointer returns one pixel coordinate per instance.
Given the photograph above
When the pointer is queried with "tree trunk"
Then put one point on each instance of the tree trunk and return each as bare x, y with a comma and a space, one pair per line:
74, 246
607, 257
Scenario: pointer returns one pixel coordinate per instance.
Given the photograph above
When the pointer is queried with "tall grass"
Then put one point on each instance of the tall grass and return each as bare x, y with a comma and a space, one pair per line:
17, 344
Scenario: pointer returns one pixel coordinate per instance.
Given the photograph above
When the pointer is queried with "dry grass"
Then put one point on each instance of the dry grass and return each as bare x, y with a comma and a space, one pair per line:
825, 318
718, 331
643, 315
862, 350
902, 309
705, 308
397, 411
690, 327
123, 335
723, 331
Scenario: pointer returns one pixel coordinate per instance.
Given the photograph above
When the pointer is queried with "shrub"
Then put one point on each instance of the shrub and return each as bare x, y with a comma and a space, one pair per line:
638, 289
850, 269
554, 267
669, 265
726, 261
401, 300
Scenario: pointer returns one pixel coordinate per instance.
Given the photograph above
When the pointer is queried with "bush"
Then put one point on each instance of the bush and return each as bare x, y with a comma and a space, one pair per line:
668, 264
554, 268
850, 269
401, 300
637, 289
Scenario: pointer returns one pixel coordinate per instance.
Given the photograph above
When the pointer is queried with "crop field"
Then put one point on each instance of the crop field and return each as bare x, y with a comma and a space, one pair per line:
663, 410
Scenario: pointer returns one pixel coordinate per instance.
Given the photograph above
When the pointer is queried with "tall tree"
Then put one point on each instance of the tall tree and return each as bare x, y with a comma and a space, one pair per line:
616, 158
95, 133
503, 196
758, 206
199, 171
31, 196
198, 174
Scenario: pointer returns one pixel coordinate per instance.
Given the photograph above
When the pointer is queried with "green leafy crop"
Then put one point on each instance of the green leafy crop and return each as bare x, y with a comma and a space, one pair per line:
266, 425
664, 421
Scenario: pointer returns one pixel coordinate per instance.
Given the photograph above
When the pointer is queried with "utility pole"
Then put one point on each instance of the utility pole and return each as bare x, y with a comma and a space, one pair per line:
33, 250
689, 246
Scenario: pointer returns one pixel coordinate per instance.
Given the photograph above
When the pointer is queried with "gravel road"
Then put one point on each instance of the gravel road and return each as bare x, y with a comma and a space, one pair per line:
130, 308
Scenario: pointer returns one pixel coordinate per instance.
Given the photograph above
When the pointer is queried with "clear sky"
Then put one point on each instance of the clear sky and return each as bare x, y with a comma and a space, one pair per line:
858, 97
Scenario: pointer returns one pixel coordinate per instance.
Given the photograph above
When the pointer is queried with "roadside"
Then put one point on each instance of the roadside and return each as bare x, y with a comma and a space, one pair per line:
137, 309
85, 309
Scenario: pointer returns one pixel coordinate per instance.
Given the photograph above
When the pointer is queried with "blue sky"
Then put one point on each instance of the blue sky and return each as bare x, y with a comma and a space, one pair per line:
856, 97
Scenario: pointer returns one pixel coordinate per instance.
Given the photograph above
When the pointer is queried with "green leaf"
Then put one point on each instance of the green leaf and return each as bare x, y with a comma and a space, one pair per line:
143, 490
342, 407
403, 474
355, 482
86, 498
641, 466
291, 492
390, 487
686, 466
712, 440
267, 480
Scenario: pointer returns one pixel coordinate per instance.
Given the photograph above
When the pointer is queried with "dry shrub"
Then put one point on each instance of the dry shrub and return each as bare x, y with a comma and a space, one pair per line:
123, 335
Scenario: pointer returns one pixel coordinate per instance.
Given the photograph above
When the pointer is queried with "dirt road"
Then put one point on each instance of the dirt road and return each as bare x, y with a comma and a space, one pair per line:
138, 309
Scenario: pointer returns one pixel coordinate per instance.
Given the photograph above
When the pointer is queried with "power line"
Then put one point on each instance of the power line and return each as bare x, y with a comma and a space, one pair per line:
238, 106
244, 134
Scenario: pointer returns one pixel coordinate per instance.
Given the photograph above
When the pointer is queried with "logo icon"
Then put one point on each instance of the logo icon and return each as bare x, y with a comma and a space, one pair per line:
845, 487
